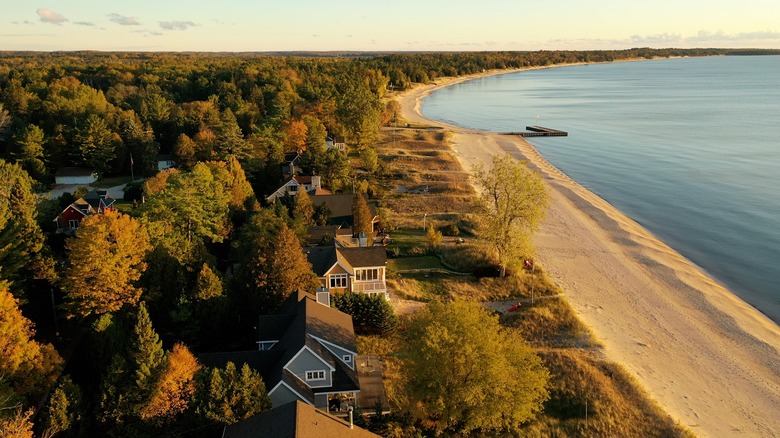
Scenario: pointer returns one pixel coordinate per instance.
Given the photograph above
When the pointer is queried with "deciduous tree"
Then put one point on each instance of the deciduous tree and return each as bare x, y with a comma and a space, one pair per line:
466, 373
513, 201
175, 389
105, 259
362, 218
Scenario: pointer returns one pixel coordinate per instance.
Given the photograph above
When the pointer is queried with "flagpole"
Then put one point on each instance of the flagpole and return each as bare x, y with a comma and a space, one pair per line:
132, 175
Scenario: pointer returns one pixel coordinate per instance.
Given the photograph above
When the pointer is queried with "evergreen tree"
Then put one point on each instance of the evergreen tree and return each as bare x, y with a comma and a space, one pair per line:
362, 217
226, 396
22, 253
64, 410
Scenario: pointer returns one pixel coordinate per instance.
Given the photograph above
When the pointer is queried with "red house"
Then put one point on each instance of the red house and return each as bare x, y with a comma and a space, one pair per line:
96, 201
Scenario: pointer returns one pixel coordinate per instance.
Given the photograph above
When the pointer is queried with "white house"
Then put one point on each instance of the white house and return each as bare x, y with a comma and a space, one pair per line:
75, 175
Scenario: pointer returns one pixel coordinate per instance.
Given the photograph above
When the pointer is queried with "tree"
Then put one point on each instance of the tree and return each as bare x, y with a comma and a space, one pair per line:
29, 366
184, 152
132, 377
19, 425
275, 268
371, 314
175, 388
513, 203
227, 397
362, 218
22, 253
28, 150
105, 259
232, 176
467, 373
189, 208
95, 144
433, 236
303, 212
64, 409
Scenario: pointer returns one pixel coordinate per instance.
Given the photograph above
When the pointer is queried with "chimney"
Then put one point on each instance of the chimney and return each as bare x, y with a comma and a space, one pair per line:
323, 297
351, 424
362, 239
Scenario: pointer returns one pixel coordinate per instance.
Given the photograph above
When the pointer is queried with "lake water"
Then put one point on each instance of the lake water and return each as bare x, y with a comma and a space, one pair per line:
689, 148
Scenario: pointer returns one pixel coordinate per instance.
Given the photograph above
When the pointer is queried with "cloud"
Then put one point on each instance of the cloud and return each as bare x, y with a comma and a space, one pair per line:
176, 25
84, 23
52, 17
124, 21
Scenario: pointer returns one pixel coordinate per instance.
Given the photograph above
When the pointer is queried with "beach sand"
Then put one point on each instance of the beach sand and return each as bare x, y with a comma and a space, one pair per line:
710, 359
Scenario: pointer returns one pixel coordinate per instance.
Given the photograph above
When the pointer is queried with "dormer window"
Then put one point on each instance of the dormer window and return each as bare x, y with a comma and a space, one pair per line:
347, 358
315, 375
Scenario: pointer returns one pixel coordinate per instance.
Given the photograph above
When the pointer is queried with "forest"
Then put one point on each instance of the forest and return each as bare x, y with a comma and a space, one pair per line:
101, 329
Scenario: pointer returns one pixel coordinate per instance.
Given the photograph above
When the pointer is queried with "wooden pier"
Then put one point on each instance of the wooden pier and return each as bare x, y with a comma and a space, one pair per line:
539, 131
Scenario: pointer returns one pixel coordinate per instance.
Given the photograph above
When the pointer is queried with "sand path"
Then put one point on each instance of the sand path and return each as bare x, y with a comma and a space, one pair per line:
709, 358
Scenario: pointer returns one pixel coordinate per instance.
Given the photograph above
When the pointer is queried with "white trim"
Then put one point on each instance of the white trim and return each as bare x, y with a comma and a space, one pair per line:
341, 277
281, 382
313, 353
323, 341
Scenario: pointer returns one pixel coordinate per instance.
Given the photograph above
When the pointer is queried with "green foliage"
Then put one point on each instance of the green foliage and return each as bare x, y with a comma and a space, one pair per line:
226, 396
433, 236
466, 373
513, 205
22, 252
95, 144
371, 314
64, 410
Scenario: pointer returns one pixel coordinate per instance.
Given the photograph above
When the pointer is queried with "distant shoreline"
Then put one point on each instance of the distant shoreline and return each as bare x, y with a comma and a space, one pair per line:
683, 335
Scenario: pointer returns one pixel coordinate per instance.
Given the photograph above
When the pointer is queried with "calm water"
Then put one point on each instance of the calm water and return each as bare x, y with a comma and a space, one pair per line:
689, 148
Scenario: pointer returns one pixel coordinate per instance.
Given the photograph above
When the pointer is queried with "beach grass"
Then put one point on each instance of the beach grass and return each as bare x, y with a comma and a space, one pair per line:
589, 395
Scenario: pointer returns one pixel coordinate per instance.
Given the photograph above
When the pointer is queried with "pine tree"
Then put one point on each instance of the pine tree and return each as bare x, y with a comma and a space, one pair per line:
361, 216
226, 396
64, 409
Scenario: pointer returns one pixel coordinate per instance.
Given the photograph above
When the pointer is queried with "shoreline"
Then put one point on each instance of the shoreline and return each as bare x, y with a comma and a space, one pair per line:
709, 358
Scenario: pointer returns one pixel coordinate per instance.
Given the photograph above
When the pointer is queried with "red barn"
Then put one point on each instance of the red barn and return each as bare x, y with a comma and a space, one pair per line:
96, 201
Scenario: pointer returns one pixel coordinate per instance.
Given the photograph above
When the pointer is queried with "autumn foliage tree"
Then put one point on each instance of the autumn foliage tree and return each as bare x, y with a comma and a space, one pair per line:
175, 388
105, 259
28, 366
465, 373
362, 218
275, 267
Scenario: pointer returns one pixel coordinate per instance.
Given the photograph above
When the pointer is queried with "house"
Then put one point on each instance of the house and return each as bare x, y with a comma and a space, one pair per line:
306, 352
292, 184
75, 175
359, 270
94, 202
295, 420
165, 162
336, 142
326, 234
340, 207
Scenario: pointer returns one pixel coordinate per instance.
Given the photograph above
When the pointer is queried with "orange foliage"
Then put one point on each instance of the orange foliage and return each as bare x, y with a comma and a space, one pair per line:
295, 131
176, 387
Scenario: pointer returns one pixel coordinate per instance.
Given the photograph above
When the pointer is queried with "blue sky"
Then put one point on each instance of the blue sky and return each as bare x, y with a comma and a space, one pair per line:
366, 25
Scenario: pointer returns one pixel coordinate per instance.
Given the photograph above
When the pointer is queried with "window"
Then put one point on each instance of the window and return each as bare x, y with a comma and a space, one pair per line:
73, 224
338, 280
347, 358
367, 274
315, 375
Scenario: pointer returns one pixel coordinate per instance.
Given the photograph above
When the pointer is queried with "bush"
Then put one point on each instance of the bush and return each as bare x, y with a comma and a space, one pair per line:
371, 314
450, 230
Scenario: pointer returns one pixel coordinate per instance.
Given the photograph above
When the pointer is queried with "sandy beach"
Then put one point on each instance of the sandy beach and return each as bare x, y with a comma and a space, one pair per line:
710, 359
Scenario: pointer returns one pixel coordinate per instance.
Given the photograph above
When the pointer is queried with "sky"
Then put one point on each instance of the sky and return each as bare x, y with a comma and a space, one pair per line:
400, 25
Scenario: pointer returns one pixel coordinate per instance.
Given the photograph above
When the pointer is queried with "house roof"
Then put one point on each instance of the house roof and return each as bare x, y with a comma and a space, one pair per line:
340, 207
97, 197
322, 258
295, 420
73, 171
317, 233
363, 257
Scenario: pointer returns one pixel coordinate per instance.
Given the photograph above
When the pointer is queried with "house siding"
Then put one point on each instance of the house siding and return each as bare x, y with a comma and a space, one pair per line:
321, 402
282, 395
307, 361
340, 352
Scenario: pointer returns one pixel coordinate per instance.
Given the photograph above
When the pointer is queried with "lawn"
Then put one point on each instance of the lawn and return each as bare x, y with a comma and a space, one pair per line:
411, 263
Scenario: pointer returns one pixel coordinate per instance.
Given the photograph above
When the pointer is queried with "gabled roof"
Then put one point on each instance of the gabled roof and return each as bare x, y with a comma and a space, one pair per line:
295, 420
363, 257
98, 199
317, 233
322, 258
314, 320
340, 207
